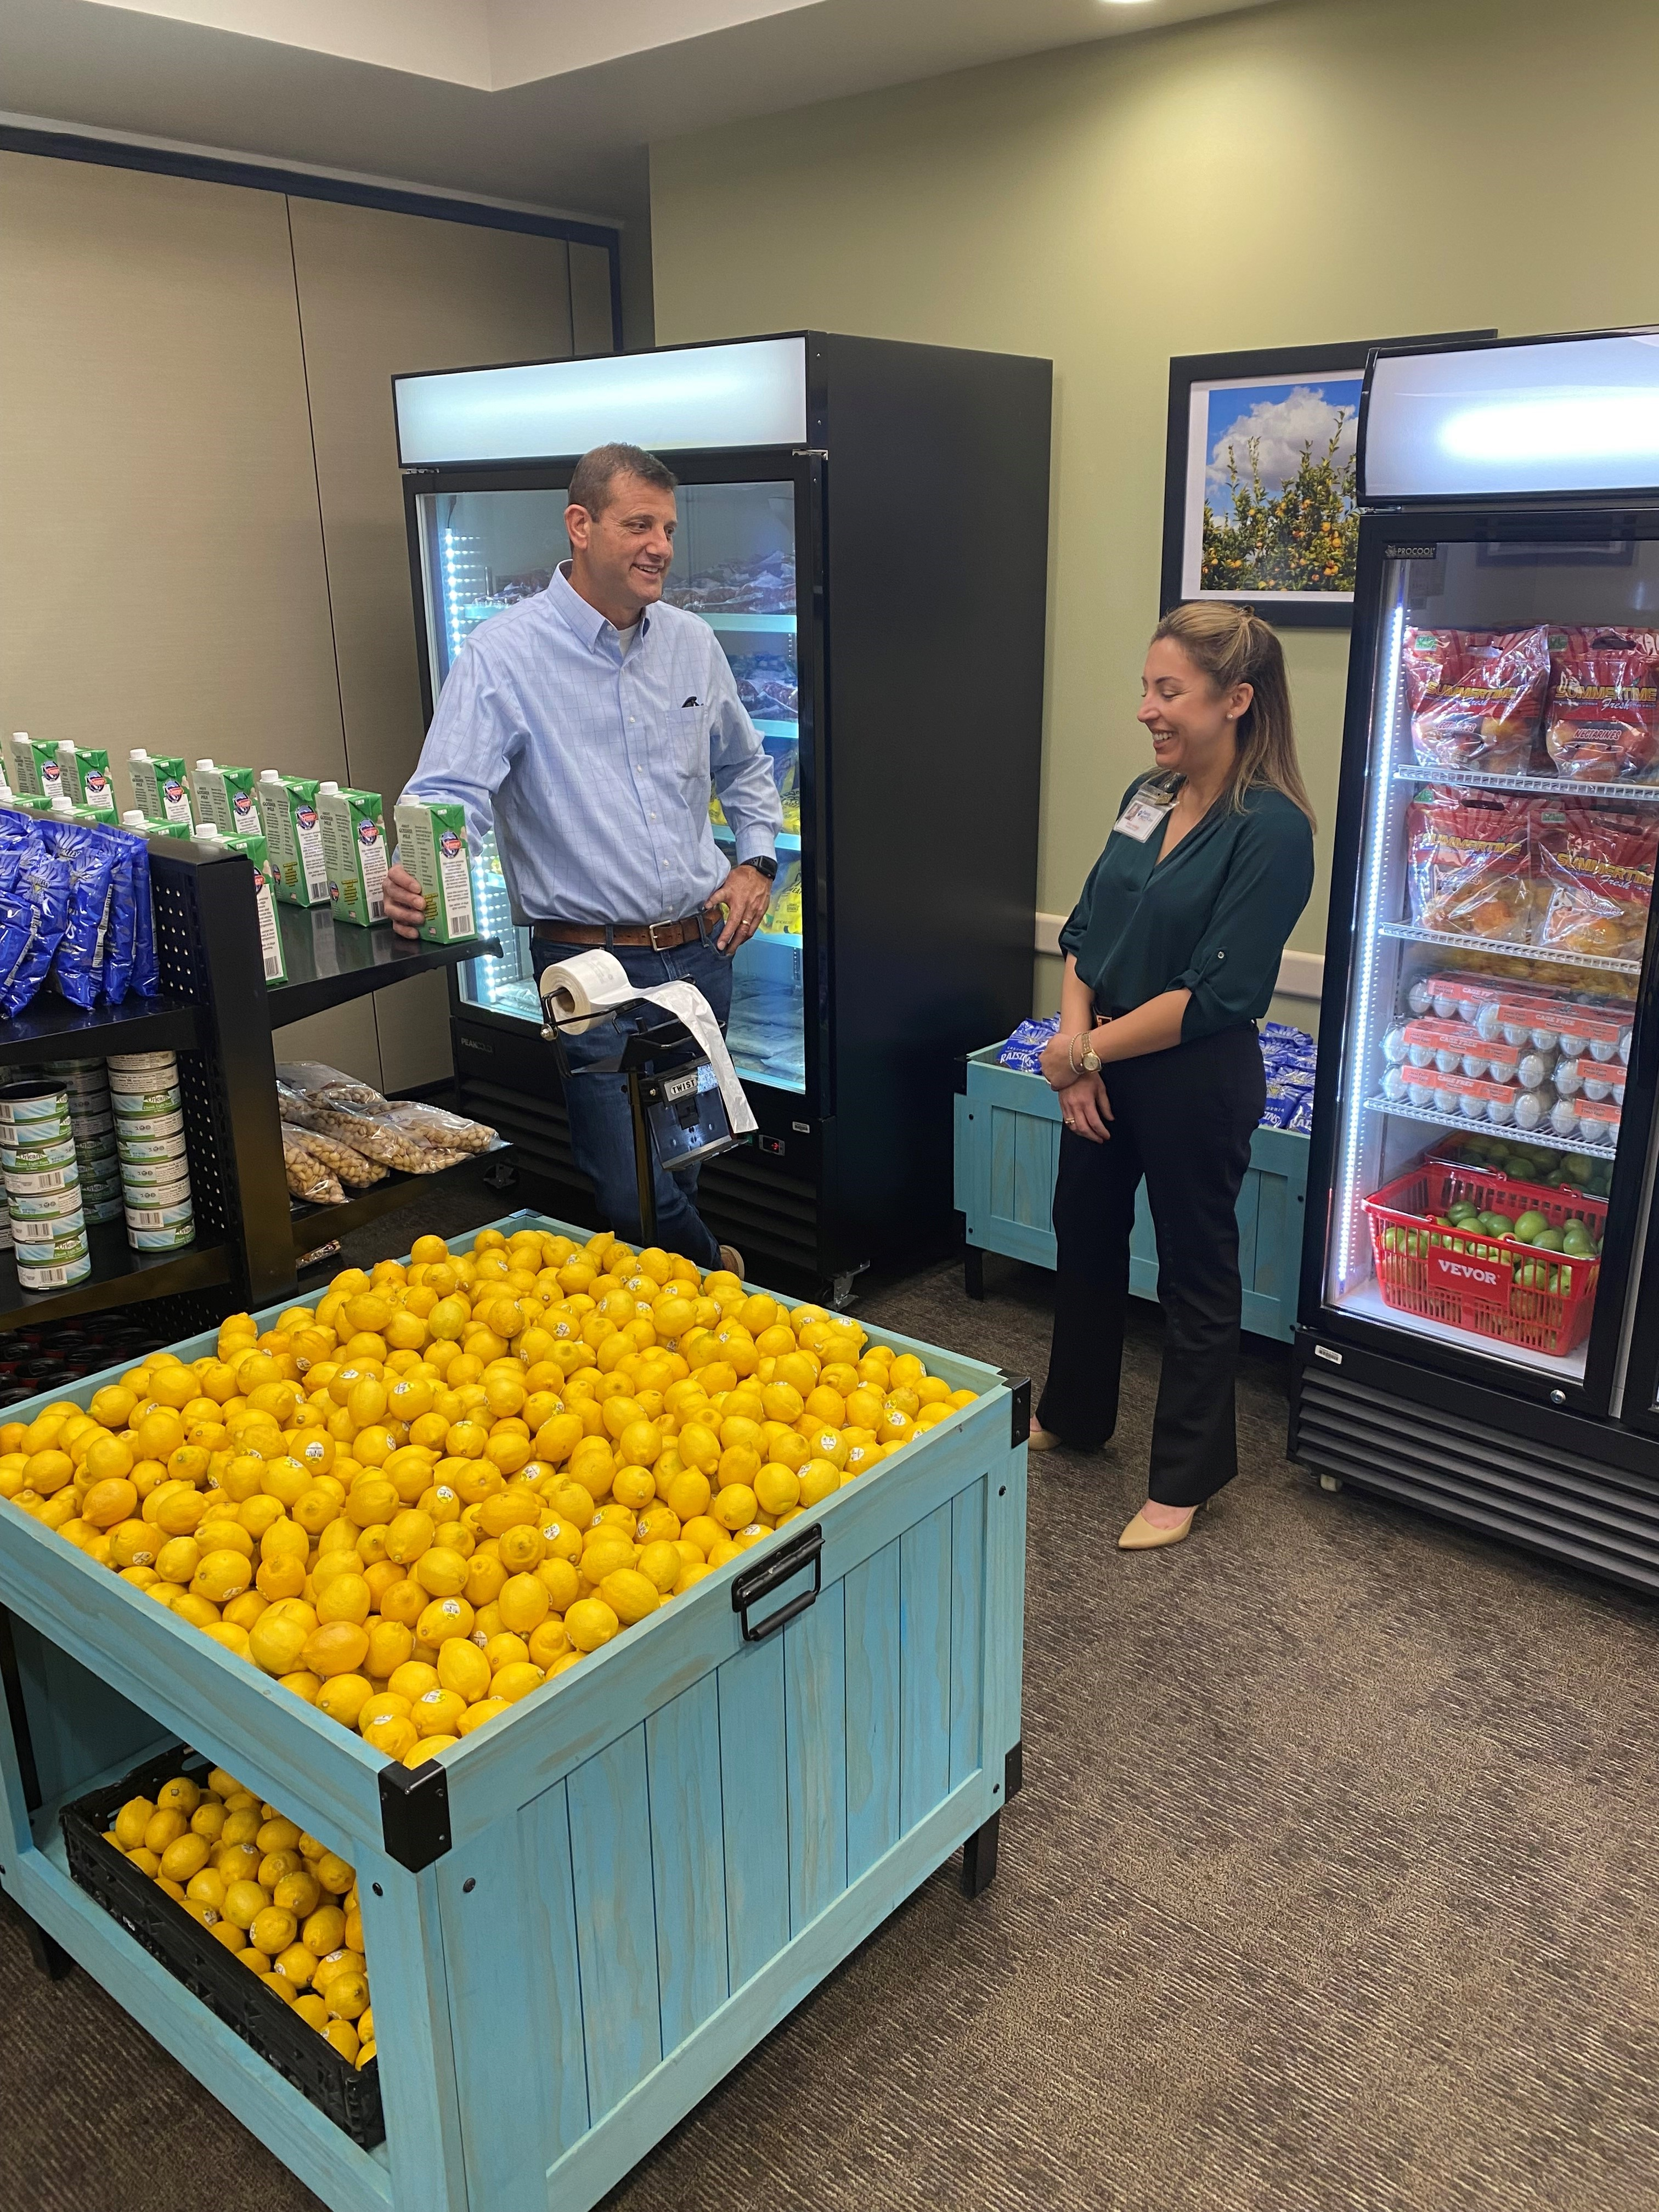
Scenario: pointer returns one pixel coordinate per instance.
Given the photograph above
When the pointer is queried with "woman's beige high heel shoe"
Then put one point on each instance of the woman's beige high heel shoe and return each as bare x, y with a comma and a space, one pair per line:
1140, 1536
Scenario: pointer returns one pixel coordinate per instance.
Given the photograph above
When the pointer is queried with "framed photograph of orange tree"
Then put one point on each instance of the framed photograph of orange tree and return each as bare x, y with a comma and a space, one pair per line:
1259, 486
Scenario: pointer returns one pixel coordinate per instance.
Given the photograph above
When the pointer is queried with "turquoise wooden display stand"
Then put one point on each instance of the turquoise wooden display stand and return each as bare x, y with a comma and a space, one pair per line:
1007, 1151
580, 1918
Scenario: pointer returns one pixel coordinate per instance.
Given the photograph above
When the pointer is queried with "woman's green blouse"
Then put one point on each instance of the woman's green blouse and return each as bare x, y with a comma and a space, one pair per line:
1212, 920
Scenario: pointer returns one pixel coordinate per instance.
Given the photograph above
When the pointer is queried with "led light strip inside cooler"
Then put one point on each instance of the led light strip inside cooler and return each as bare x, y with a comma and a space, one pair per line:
1347, 1211
1461, 941
1395, 1110
1556, 786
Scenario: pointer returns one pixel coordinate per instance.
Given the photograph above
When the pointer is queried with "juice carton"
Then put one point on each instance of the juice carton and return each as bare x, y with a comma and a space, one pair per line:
225, 796
48, 777
270, 934
432, 845
354, 851
83, 771
294, 831
20, 761
160, 789
147, 826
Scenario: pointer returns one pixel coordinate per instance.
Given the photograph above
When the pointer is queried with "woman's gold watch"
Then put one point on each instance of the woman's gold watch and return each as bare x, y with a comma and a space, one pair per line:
1088, 1057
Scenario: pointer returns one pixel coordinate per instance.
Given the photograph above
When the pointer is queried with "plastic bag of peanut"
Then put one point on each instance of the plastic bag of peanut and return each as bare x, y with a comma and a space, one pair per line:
307, 1177
437, 1127
375, 1139
353, 1167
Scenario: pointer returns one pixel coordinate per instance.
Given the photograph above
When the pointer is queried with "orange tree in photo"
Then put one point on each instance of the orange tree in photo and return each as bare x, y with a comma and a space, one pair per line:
1302, 538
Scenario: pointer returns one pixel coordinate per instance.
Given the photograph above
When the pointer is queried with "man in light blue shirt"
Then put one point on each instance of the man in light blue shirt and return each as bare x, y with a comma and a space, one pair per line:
586, 726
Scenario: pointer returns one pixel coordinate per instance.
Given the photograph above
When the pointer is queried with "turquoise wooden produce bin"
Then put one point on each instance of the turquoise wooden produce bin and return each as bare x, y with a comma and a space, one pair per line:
1007, 1152
579, 1918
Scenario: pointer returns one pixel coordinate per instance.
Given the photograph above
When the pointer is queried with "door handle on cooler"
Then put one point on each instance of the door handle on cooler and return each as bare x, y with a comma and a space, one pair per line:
801, 1551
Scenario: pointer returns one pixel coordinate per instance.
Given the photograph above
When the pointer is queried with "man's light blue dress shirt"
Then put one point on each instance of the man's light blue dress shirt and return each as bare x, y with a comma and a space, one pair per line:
593, 765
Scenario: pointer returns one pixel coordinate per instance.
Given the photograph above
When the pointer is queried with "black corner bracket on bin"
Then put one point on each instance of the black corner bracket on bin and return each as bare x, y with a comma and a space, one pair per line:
1021, 1386
414, 1814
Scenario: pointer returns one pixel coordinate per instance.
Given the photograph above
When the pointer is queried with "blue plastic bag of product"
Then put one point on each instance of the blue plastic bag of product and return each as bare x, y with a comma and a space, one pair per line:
1023, 1050
43, 880
88, 854
121, 937
16, 935
146, 977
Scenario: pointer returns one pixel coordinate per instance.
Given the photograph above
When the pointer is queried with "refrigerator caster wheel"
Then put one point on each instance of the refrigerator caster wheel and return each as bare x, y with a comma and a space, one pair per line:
1330, 1482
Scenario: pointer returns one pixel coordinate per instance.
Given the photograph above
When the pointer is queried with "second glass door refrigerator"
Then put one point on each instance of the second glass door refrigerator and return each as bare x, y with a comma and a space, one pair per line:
1479, 1332
890, 654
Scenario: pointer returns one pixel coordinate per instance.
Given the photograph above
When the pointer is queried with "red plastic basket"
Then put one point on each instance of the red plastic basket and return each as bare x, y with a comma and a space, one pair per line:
1467, 1279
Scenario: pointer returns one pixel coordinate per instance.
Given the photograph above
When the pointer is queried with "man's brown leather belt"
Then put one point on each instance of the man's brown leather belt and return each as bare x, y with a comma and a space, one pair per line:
660, 936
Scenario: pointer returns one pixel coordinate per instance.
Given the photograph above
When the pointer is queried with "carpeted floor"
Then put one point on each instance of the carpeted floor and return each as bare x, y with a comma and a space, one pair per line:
1329, 1887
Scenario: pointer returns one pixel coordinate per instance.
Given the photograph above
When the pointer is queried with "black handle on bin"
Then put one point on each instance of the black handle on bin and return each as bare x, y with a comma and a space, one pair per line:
756, 1582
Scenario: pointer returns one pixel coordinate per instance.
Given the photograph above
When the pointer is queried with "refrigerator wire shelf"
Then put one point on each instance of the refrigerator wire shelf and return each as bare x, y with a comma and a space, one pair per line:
1461, 941
1554, 787
1475, 1282
1402, 1110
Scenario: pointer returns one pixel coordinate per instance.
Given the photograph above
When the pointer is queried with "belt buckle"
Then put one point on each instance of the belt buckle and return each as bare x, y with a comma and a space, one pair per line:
651, 927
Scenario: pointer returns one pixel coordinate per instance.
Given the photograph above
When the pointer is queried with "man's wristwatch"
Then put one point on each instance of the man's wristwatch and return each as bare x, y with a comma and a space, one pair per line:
763, 865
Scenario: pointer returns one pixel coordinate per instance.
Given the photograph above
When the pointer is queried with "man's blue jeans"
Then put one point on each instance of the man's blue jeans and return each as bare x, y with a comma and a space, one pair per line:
601, 1127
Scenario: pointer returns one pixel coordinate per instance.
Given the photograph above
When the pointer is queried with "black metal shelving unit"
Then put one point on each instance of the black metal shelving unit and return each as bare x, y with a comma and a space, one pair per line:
216, 1011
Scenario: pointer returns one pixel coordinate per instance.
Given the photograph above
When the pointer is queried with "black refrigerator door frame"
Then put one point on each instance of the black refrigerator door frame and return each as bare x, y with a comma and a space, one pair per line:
1542, 523
778, 1111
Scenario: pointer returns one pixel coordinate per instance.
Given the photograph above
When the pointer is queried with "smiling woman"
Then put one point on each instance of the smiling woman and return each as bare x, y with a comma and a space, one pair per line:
1171, 956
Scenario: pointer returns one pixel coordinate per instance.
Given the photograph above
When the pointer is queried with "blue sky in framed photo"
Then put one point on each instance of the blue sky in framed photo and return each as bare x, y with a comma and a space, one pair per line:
1285, 414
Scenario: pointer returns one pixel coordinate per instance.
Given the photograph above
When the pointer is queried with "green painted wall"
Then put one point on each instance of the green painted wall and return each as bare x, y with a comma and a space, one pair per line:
1298, 175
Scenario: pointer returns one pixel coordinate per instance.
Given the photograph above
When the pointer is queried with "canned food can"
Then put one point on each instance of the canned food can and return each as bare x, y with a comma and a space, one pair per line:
161, 1098
135, 1127
67, 1243
145, 1195
152, 1175
20, 1185
26, 1158
33, 1101
105, 1209
151, 1148
45, 1205
98, 1124
161, 1240
160, 1216
126, 1063
58, 1278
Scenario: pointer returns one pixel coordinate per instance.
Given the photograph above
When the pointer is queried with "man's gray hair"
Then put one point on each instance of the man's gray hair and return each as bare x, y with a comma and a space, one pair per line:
598, 471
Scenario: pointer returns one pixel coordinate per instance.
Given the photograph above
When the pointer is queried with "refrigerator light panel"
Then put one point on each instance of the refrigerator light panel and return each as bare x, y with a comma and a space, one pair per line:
1348, 1197
1567, 415
753, 393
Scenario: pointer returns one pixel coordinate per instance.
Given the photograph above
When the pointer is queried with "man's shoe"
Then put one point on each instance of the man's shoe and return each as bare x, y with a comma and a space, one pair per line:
732, 1261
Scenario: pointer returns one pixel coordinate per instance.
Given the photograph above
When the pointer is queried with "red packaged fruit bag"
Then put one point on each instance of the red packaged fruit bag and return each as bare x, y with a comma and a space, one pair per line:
1476, 696
1470, 870
1603, 717
1595, 876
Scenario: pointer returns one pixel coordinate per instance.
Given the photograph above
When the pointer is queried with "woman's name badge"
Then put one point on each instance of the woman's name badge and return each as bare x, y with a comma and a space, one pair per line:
1141, 816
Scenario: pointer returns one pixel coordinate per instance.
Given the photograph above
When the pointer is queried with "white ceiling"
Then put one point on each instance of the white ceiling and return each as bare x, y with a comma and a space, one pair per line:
552, 103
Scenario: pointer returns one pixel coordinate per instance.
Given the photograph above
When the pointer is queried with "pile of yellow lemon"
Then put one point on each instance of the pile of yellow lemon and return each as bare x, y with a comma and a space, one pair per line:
286, 1908
454, 1479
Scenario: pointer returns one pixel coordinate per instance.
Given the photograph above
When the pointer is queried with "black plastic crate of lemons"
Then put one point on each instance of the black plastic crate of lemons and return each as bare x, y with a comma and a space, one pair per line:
283, 1905
455, 1478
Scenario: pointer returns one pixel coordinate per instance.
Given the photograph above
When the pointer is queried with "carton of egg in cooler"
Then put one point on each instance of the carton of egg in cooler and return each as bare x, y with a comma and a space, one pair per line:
149, 1141
43, 1186
1531, 1059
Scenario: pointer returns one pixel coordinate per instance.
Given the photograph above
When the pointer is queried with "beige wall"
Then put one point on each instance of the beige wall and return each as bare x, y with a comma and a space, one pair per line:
204, 549
1302, 174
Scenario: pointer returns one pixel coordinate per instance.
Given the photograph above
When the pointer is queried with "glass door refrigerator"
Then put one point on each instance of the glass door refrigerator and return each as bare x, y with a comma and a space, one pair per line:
890, 652
1479, 1315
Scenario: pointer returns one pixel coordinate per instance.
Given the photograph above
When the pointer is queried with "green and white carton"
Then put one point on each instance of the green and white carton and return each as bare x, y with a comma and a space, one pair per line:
294, 831
20, 764
83, 771
224, 796
432, 846
161, 788
147, 826
354, 852
270, 934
